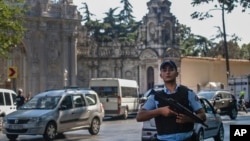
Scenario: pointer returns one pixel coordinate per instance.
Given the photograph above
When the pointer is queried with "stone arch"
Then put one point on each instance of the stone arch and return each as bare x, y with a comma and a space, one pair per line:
128, 74
148, 54
104, 74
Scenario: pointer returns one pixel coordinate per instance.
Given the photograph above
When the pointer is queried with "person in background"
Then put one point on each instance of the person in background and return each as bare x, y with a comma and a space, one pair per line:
20, 99
28, 97
170, 125
242, 100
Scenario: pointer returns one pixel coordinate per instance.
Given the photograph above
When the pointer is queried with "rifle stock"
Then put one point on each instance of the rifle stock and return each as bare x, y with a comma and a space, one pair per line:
177, 107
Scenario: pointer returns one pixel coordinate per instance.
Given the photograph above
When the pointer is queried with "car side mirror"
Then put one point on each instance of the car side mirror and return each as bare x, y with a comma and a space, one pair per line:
142, 100
140, 95
217, 98
63, 107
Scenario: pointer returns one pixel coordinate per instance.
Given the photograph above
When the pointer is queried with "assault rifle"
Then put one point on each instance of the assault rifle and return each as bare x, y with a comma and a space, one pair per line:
177, 107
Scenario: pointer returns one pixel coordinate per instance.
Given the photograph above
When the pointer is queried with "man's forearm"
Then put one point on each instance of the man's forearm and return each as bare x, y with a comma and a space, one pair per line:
144, 115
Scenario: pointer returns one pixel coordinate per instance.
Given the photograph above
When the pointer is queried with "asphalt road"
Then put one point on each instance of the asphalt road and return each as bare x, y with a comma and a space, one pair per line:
124, 130
111, 130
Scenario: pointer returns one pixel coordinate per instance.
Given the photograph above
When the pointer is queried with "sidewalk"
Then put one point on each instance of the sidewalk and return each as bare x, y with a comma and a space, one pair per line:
242, 112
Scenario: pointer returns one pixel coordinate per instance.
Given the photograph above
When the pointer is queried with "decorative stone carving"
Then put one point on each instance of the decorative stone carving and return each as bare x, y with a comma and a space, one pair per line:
148, 54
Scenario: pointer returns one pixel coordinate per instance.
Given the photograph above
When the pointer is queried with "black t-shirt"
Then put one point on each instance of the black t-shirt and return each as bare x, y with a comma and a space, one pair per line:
20, 100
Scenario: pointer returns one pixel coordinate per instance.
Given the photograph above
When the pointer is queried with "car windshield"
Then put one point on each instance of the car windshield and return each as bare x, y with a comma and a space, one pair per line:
207, 95
45, 102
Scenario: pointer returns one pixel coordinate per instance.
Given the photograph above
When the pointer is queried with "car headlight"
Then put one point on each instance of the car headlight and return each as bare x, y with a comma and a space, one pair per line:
35, 120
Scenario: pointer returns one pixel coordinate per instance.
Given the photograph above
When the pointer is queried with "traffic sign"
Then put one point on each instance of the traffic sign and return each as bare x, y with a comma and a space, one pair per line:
12, 72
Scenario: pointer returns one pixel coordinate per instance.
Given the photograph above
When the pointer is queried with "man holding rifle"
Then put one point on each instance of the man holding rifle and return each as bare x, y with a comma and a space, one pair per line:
171, 124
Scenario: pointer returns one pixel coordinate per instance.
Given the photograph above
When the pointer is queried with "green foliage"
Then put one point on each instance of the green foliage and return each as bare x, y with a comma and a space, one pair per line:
233, 50
126, 13
86, 12
224, 48
245, 51
190, 44
121, 27
11, 24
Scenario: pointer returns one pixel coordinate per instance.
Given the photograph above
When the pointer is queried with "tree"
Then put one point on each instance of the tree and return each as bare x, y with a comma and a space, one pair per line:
125, 15
233, 50
191, 44
245, 51
87, 17
128, 26
110, 25
224, 6
121, 27
11, 25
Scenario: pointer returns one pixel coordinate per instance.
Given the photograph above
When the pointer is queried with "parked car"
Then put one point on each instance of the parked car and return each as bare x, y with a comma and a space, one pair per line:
144, 97
214, 130
7, 101
223, 101
53, 112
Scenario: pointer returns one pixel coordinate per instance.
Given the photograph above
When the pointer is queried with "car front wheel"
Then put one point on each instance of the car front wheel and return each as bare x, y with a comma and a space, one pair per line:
220, 134
95, 126
50, 132
199, 136
233, 113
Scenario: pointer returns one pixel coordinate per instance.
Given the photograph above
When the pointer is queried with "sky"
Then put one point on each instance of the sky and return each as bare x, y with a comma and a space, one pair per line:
236, 22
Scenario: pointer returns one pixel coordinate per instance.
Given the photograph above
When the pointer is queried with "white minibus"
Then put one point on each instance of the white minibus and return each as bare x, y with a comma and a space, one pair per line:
120, 97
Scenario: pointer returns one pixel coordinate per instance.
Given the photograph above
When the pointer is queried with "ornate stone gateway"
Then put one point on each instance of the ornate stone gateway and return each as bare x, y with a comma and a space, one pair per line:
55, 52
49, 47
139, 62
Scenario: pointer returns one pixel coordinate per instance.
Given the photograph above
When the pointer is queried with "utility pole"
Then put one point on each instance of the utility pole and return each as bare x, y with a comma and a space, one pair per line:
225, 42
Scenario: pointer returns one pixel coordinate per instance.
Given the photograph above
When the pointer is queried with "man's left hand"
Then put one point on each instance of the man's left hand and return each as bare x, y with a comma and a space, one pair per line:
181, 118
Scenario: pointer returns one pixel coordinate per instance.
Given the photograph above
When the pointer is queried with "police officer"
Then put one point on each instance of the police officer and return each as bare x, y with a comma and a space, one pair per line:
170, 125
20, 98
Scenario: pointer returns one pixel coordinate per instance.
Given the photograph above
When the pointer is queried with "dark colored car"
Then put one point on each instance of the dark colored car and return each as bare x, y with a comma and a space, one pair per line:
224, 102
214, 130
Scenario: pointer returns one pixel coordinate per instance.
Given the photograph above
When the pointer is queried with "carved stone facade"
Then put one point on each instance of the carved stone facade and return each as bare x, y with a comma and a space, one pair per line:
56, 51
49, 47
139, 62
